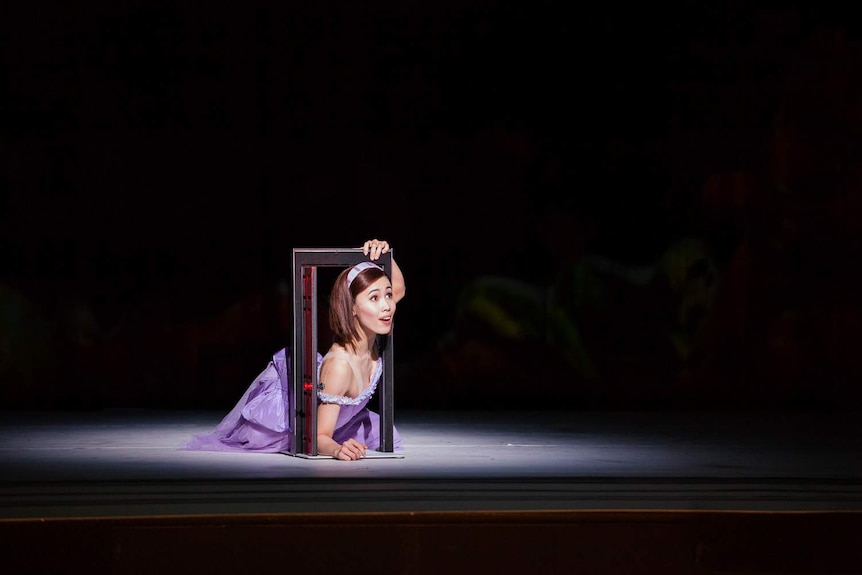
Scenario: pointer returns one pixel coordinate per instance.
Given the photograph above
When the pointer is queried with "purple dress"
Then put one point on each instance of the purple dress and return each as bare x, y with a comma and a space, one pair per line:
259, 420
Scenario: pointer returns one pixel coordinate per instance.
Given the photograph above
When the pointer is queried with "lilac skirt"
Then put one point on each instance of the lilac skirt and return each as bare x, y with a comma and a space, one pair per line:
259, 420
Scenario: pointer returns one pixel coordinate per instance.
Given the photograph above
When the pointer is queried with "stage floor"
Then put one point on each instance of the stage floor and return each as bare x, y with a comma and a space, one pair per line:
120, 463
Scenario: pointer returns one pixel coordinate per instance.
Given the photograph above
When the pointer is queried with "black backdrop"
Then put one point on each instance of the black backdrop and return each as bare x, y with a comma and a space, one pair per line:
591, 205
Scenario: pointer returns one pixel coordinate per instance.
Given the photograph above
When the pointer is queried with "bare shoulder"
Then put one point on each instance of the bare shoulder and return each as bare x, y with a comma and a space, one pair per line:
336, 375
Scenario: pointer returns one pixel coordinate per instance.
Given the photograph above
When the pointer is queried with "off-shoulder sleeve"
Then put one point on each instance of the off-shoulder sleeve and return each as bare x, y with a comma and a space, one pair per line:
365, 394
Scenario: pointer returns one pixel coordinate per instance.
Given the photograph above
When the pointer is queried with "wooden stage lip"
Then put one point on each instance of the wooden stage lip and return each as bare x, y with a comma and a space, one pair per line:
595, 542
511, 492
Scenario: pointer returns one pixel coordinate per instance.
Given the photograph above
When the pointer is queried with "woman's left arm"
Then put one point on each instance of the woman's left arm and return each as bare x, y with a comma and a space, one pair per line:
399, 289
373, 249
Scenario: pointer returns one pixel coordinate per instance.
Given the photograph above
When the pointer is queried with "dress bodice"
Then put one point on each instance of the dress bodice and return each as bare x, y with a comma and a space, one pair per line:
368, 388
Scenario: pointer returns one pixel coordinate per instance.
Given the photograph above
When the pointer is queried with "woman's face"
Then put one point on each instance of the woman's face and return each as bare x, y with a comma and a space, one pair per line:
375, 307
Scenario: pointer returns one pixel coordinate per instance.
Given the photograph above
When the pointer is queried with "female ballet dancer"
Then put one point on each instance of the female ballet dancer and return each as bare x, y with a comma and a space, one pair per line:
361, 308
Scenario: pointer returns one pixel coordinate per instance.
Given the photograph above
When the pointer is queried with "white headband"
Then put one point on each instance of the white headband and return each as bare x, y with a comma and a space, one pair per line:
357, 269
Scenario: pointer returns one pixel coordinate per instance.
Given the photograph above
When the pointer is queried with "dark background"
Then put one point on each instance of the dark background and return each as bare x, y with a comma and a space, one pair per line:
670, 194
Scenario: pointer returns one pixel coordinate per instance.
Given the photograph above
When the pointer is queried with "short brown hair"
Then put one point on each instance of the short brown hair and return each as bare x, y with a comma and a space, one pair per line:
341, 301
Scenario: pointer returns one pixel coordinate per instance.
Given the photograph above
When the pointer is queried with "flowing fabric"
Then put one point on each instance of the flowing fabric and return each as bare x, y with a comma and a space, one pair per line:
259, 420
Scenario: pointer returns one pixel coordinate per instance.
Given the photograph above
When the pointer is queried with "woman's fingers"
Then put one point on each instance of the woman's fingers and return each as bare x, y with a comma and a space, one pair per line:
373, 248
354, 449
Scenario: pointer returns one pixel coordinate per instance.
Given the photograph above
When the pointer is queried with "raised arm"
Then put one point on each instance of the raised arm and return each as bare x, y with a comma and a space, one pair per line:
373, 249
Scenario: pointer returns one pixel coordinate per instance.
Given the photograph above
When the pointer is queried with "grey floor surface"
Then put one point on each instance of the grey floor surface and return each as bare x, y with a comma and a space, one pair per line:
128, 463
